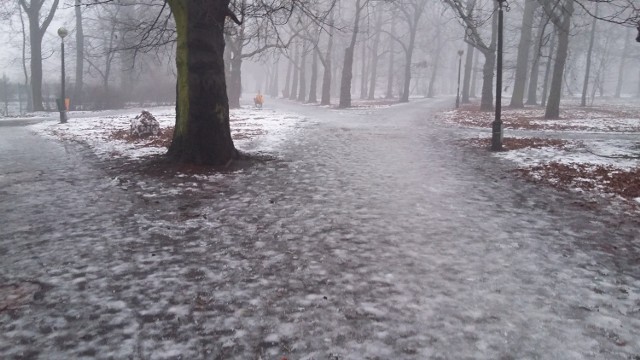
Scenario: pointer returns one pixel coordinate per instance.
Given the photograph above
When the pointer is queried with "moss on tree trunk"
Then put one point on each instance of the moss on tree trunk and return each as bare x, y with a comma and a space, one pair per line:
202, 134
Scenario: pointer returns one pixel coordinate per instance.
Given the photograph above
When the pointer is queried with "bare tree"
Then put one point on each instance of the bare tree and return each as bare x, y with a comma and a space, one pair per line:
33, 8
517, 98
347, 68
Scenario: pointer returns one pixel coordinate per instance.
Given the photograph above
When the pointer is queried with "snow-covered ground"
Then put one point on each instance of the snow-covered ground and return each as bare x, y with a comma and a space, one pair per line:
600, 151
255, 130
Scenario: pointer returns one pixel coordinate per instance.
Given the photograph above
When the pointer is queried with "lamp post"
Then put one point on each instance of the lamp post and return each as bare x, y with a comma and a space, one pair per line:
460, 52
496, 138
62, 106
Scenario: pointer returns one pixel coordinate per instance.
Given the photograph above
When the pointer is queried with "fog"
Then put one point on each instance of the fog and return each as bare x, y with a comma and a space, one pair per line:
329, 52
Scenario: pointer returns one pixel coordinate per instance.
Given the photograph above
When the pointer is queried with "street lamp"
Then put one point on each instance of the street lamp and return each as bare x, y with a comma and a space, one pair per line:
62, 106
496, 138
460, 52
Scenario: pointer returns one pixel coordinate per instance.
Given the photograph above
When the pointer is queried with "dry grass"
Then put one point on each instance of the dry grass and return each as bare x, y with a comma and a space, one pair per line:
607, 179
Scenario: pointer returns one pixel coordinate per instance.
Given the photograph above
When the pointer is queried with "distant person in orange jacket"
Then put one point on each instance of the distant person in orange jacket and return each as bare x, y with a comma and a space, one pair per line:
258, 100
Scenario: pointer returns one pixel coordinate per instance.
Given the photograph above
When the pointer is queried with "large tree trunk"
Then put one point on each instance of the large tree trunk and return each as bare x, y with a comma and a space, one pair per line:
77, 92
468, 67
522, 62
407, 66
623, 60
486, 100
347, 69
202, 134
35, 42
587, 72
555, 94
36, 32
313, 90
326, 75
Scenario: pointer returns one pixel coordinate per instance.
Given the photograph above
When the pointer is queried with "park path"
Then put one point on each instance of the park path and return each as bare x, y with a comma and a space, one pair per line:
370, 236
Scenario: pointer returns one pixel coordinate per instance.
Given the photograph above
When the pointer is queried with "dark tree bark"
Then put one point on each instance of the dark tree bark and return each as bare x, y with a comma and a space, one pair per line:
522, 62
347, 68
468, 67
587, 72
563, 24
202, 134
36, 32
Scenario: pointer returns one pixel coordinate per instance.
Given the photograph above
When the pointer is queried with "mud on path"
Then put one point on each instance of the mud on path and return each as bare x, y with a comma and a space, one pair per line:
370, 235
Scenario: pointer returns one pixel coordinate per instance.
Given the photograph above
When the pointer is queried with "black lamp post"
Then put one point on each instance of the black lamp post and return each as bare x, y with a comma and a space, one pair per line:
496, 138
62, 106
460, 52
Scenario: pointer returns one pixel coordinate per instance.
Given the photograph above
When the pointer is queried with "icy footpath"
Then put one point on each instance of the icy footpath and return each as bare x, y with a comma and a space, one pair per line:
372, 236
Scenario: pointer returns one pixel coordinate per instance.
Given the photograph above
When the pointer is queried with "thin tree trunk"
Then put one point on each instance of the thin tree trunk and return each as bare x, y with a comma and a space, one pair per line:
390, 73
522, 62
296, 74
235, 87
532, 93
623, 60
287, 80
77, 96
436, 64
587, 72
326, 75
474, 78
374, 56
302, 93
24, 64
547, 71
363, 72
313, 97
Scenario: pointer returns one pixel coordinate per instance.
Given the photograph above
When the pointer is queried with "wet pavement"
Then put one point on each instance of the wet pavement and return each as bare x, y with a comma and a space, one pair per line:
370, 236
